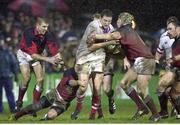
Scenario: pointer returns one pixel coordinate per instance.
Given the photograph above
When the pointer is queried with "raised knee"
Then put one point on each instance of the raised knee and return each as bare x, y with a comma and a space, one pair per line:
123, 85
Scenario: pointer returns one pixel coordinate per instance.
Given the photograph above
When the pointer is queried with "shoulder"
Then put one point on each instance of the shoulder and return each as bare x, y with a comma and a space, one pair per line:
125, 28
165, 38
95, 23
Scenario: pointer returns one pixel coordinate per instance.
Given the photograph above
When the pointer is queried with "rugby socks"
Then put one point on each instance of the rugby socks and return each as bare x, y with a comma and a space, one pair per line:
79, 102
131, 92
37, 93
110, 94
100, 112
22, 91
163, 99
150, 103
96, 102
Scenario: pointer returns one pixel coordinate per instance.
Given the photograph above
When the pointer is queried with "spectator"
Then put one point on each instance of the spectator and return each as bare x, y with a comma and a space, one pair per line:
8, 67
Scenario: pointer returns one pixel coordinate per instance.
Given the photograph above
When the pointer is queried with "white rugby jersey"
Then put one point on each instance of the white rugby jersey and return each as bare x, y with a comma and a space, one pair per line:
165, 44
83, 55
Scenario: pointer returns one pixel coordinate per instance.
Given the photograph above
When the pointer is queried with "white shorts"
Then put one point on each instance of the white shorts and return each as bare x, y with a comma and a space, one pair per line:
25, 58
89, 67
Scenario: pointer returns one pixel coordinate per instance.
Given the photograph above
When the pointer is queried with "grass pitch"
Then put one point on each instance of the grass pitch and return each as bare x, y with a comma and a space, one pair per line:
125, 109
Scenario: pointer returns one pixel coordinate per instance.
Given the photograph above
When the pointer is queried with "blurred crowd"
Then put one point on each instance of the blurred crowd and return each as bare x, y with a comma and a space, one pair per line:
67, 35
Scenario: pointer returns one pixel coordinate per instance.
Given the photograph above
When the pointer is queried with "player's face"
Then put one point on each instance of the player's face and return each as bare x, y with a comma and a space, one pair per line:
106, 21
42, 28
119, 23
171, 29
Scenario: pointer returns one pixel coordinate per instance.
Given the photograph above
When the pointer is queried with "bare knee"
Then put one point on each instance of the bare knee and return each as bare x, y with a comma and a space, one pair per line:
83, 85
40, 80
52, 114
124, 85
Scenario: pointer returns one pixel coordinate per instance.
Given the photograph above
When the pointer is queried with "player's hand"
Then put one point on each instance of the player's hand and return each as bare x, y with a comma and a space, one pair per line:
91, 39
170, 61
127, 64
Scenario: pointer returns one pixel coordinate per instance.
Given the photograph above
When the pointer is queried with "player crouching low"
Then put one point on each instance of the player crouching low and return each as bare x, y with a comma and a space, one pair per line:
57, 99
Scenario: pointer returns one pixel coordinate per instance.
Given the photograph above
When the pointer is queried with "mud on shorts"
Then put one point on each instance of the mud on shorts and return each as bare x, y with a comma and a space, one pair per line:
144, 66
90, 66
56, 100
109, 66
25, 58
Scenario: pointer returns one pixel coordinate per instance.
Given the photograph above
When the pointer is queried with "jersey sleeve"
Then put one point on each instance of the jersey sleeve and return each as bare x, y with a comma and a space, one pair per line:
160, 48
52, 44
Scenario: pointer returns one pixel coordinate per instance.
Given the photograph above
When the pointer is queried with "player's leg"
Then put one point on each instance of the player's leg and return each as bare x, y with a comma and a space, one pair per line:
25, 71
107, 84
125, 84
175, 97
166, 80
38, 89
97, 79
56, 109
30, 109
83, 78
8, 86
143, 82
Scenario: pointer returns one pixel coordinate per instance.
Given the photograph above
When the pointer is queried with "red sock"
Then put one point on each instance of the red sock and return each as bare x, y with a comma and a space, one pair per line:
131, 92
79, 102
96, 100
37, 94
22, 91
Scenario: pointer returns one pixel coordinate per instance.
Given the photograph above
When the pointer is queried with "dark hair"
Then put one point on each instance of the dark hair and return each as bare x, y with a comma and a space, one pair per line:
106, 12
174, 20
96, 15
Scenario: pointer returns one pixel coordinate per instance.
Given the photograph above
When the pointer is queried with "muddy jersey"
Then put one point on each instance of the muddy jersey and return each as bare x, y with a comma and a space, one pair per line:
67, 92
165, 44
83, 55
133, 45
176, 51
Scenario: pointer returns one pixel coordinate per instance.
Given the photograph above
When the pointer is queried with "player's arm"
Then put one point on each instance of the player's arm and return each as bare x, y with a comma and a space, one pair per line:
51, 60
173, 59
127, 64
108, 36
177, 57
96, 46
73, 82
158, 57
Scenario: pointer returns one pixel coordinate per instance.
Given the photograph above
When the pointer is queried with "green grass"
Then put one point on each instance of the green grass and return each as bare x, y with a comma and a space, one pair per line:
125, 109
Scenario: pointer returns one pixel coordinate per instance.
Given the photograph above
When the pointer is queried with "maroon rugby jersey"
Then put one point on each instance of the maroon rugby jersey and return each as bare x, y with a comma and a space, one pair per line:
34, 43
176, 51
67, 92
132, 43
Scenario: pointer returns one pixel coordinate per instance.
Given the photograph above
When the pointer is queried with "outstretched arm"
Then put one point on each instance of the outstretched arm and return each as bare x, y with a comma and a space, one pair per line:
109, 36
96, 46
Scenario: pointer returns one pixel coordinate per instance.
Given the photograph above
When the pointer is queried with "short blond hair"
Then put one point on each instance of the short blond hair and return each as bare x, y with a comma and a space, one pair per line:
126, 18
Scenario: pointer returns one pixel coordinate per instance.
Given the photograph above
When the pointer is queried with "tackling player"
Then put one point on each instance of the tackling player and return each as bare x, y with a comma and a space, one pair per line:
57, 99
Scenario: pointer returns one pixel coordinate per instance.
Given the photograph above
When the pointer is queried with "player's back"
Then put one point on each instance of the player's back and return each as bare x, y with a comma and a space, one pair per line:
133, 44
66, 91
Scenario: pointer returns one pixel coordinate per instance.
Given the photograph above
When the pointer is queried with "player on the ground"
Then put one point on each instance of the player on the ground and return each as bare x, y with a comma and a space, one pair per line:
57, 99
